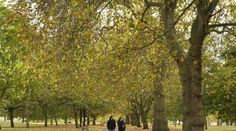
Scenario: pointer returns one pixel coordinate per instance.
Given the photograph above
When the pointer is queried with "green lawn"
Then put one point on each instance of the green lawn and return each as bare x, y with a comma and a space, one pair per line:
61, 127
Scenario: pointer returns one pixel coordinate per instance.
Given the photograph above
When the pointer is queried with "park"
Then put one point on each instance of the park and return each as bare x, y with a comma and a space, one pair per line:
140, 65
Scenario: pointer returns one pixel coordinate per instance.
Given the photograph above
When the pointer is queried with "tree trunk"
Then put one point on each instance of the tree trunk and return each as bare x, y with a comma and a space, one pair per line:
227, 122
45, 120
51, 121
94, 120
160, 122
45, 114
11, 116
127, 119
23, 120
190, 65
76, 117
66, 120
135, 120
144, 120
27, 107
80, 117
138, 120
88, 121
55, 118
84, 117
205, 120
5, 118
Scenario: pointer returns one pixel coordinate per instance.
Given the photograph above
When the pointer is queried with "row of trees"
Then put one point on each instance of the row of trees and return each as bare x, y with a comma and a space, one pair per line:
84, 59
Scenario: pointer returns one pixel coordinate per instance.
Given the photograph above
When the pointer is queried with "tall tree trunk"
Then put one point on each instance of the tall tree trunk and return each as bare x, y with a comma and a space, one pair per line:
11, 116
5, 118
45, 120
23, 120
160, 122
186, 92
135, 119
84, 117
45, 114
190, 64
127, 119
175, 122
144, 120
55, 118
94, 120
66, 120
138, 120
88, 120
227, 122
51, 121
80, 117
76, 117
205, 120
27, 107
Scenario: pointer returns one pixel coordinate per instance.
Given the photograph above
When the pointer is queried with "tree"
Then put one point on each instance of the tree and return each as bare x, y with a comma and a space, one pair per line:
190, 62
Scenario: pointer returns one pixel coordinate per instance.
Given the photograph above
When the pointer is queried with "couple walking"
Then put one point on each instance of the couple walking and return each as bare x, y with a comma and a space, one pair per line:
111, 124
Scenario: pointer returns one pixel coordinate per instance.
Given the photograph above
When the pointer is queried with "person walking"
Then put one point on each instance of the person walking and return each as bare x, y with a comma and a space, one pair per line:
111, 124
121, 124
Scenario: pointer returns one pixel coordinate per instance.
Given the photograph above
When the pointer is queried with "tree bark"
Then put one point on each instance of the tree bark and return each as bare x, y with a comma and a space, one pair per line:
45, 114
205, 120
138, 120
66, 120
94, 120
23, 120
144, 120
88, 120
51, 121
27, 107
190, 65
76, 117
127, 119
80, 117
160, 122
11, 116
55, 118
84, 117
135, 120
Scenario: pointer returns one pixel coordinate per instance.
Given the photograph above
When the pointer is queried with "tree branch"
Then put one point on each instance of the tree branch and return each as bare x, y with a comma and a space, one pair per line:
183, 12
222, 25
149, 5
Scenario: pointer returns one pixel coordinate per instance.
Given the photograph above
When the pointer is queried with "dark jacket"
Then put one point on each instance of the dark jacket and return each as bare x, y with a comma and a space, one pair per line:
121, 125
111, 124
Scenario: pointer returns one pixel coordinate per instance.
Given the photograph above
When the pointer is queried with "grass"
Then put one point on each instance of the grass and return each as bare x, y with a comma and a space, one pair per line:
61, 127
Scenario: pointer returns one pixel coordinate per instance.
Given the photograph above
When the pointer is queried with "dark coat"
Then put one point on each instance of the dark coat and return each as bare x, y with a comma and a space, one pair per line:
111, 124
121, 125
